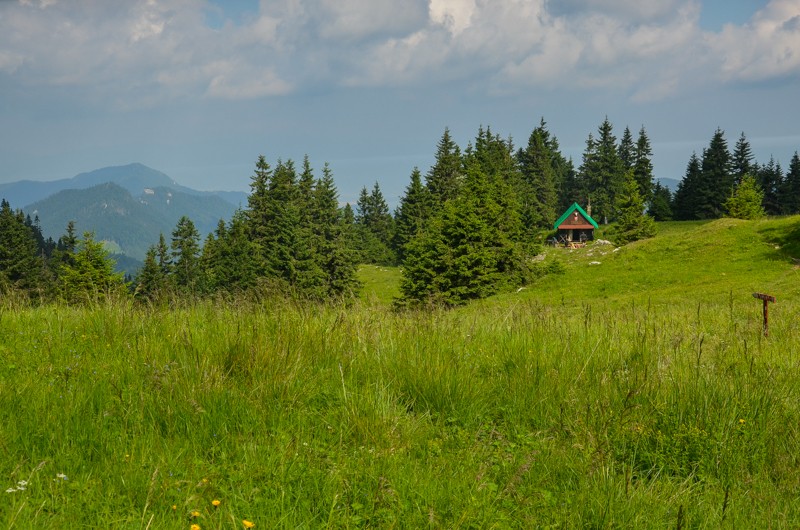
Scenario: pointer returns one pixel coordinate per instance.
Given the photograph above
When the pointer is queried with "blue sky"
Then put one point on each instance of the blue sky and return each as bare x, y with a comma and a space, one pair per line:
198, 89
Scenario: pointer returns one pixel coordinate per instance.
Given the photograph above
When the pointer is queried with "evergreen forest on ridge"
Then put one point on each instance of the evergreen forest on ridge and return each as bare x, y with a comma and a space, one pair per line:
471, 226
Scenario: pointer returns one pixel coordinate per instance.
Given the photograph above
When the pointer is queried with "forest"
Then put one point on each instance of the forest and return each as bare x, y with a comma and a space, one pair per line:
467, 228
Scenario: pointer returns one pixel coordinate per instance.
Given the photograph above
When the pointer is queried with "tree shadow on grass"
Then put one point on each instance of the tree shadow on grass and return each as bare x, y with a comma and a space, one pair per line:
785, 237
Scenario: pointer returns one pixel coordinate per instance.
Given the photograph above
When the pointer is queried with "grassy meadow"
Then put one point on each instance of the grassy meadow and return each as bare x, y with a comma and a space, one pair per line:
635, 390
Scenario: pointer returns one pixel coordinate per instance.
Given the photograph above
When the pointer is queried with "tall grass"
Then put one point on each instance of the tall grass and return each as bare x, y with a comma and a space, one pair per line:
637, 393
497, 415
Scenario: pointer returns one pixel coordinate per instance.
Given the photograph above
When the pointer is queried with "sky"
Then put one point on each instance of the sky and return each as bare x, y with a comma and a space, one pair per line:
199, 89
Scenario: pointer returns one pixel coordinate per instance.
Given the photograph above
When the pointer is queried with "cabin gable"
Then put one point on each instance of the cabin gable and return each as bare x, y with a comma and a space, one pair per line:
575, 225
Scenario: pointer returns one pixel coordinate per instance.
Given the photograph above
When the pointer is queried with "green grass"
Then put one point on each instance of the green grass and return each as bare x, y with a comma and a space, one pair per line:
380, 283
607, 406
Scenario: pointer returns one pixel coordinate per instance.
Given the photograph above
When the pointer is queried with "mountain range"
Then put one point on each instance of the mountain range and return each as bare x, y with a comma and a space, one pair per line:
127, 207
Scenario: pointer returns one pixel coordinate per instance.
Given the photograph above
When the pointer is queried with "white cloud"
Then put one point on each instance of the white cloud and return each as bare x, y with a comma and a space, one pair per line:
455, 15
147, 51
767, 47
352, 20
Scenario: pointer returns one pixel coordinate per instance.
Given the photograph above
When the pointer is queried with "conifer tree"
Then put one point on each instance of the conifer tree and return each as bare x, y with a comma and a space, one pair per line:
790, 192
185, 256
769, 178
278, 238
464, 253
602, 172
164, 257
687, 196
741, 159
310, 281
210, 260
745, 200
539, 194
643, 166
230, 258
336, 257
426, 260
374, 225
494, 158
90, 277
412, 214
444, 179
65, 248
632, 224
717, 180
258, 214
564, 177
626, 149
150, 281
21, 266
661, 206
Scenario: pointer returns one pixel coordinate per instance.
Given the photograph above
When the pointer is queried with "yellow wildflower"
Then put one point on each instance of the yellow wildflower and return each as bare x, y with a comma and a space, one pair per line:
215, 503
195, 527
248, 524
174, 507
195, 513
741, 421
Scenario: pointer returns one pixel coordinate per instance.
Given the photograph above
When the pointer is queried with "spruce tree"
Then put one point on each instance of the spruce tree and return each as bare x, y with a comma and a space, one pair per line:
185, 248
234, 258
741, 159
717, 180
426, 261
412, 214
626, 149
90, 277
464, 253
21, 266
745, 200
632, 223
374, 226
661, 205
643, 166
539, 194
444, 179
278, 239
258, 214
790, 192
602, 173
336, 258
150, 281
687, 196
310, 281
494, 158
769, 178
164, 257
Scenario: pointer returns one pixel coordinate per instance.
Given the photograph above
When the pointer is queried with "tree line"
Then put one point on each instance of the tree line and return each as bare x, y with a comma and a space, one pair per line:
712, 178
467, 228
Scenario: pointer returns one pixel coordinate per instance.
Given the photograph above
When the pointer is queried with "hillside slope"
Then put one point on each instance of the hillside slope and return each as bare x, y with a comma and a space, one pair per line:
691, 261
686, 262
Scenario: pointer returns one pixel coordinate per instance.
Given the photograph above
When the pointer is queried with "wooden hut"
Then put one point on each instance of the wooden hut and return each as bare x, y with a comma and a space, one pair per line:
575, 226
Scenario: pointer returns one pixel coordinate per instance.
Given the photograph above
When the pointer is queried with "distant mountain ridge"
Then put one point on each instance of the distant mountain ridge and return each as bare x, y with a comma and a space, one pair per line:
127, 207
126, 223
132, 177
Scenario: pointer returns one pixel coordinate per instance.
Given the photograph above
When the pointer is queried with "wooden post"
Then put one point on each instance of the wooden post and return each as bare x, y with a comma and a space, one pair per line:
766, 299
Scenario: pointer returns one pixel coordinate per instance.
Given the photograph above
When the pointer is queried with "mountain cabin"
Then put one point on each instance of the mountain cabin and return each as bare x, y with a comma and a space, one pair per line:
574, 226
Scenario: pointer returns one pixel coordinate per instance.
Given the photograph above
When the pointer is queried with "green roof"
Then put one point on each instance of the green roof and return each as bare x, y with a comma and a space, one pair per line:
575, 206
